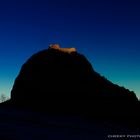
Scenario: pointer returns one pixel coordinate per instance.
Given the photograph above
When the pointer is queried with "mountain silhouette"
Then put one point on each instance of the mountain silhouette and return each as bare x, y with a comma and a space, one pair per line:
55, 80
53, 74
61, 82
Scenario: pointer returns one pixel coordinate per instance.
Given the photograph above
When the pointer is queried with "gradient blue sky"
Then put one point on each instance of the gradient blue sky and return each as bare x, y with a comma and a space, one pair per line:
106, 31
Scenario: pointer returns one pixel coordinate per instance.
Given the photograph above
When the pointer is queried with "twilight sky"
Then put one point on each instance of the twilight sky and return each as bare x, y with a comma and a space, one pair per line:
107, 32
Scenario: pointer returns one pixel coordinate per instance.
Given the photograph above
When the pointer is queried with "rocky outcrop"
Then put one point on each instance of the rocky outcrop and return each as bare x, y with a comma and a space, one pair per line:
65, 50
54, 80
53, 71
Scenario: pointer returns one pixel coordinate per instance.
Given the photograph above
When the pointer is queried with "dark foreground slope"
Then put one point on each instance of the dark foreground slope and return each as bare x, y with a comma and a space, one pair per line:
65, 84
32, 125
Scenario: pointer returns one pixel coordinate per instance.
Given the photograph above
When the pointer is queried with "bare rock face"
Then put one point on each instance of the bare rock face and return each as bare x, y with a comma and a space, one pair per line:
65, 50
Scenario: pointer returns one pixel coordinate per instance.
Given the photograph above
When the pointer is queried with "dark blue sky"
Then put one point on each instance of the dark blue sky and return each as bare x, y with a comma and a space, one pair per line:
106, 31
